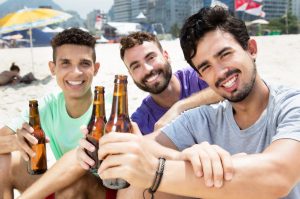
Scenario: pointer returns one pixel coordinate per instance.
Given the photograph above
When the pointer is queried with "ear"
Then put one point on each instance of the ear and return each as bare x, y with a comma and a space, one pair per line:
96, 68
52, 66
252, 48
166, 55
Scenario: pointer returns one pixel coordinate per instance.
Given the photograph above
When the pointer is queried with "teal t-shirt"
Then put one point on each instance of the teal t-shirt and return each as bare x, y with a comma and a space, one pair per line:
62, 130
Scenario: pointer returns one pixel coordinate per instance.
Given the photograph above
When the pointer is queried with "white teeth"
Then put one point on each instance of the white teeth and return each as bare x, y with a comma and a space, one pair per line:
75, 83
153, 77
230, 83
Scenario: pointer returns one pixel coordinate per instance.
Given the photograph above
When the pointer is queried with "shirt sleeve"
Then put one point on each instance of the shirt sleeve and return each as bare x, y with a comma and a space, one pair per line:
182, 132
288, 120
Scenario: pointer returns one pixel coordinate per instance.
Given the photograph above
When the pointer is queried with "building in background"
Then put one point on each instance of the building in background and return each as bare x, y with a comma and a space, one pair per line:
296, 8
121, 11
274, 8
196, 5
91, 20
169, 13
139, 10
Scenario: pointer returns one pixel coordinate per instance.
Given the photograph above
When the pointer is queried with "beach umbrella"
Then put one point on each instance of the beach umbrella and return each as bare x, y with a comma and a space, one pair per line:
259, 21
29, 18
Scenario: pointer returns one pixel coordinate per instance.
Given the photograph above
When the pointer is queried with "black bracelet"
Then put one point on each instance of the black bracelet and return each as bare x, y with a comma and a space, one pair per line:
158, 177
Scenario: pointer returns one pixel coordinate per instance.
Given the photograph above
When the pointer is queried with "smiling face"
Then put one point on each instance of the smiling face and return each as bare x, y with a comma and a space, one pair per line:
74, 70
149, 67
225, 65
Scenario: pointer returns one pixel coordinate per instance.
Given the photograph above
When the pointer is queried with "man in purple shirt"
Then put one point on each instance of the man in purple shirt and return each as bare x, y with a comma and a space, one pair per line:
169, 94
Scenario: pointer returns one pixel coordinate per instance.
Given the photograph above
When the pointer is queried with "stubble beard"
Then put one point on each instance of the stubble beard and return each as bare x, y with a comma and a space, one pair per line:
159, 87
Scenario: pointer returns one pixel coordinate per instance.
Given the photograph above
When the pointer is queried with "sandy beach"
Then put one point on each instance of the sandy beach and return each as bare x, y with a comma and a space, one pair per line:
278, 61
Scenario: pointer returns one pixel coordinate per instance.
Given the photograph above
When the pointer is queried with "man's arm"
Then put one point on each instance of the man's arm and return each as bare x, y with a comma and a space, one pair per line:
271, 174
206, 96
8, 140
62, 174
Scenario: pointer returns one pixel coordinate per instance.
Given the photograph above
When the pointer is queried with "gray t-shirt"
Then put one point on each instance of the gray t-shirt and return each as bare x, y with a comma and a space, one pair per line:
216, 125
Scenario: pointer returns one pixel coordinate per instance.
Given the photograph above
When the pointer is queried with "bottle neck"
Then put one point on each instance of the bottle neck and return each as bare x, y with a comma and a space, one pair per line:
120, 101
99, 105
34, 118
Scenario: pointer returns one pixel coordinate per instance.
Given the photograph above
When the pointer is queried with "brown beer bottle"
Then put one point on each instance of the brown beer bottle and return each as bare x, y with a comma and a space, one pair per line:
96, 125
118, 121
38, 163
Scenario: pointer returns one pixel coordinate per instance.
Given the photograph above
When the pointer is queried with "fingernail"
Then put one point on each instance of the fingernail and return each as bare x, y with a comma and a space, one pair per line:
228, 176
34, 154
209, 183
218, 184
31, 130
92, 149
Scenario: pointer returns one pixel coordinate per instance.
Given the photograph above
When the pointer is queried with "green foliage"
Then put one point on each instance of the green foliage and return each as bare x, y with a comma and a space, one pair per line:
286, 24
175, 30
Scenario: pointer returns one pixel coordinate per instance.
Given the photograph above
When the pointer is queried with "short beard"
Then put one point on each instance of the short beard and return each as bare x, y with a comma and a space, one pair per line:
158, 87
243, 94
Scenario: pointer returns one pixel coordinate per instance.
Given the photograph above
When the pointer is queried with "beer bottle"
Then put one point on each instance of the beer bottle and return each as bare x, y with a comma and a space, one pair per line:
96, 125
38, 163
118, 121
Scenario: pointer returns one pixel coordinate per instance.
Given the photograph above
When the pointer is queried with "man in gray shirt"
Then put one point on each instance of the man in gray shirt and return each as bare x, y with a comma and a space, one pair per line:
257, 118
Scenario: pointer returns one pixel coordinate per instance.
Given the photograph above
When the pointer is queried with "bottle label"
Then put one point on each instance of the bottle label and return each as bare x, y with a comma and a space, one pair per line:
39, 161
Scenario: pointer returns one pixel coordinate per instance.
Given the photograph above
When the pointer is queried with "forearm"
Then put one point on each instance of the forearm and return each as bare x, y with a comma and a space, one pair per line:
168, 150
206, 96
256, 176
8, 140
8, 144
62, 174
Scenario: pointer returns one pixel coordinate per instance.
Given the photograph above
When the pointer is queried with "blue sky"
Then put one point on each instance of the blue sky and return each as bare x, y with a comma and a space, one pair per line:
83, 7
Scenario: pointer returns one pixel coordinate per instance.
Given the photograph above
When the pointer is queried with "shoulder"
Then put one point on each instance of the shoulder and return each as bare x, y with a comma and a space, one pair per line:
51, 101
143, 110
186, 71
284, 96
212, 111
190, 78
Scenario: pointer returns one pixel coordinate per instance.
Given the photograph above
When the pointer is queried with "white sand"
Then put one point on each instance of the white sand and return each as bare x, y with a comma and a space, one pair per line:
278, 61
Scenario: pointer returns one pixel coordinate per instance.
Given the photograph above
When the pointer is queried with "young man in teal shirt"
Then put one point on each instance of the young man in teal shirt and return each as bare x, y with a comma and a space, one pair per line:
61, 114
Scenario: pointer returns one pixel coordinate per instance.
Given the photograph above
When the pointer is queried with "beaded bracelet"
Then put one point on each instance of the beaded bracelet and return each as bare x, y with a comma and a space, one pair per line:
158, 177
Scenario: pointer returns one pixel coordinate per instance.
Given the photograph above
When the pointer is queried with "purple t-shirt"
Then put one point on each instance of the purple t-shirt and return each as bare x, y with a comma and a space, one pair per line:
150, 112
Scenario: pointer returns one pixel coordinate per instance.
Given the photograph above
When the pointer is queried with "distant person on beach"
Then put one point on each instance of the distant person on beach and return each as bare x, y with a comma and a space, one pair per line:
257, 118
10, 77
13, 76
61, 114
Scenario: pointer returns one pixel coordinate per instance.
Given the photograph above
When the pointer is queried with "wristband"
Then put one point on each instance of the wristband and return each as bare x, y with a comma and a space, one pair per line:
158, 176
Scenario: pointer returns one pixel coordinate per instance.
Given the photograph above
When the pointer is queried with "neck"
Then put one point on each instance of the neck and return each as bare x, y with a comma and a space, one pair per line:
76, 107
250, 109
170, 95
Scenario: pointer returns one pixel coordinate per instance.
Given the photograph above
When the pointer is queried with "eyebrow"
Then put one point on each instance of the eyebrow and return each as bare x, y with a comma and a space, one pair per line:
85, 60
63, 59
215, 55
135, 62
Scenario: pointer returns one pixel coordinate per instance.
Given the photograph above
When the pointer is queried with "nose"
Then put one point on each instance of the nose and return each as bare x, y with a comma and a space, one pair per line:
220, 70
77, 69
148, 67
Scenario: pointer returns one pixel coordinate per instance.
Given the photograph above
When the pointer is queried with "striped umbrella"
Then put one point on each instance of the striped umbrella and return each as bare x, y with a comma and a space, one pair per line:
29, 18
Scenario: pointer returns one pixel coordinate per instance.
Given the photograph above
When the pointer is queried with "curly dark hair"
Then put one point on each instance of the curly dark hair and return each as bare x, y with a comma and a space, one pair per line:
206, 20
73, 36
136, 38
